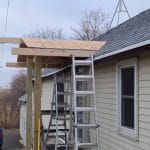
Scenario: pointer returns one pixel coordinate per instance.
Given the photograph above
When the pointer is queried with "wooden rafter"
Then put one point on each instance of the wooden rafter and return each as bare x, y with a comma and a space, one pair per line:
51, 52
11, 40
18, 64
44, 65
47, 62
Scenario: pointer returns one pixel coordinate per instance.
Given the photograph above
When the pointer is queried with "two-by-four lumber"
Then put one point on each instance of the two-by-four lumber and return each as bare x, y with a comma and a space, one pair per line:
52, 52
11, 40
37, 102
52, 64
29, 145
18, 64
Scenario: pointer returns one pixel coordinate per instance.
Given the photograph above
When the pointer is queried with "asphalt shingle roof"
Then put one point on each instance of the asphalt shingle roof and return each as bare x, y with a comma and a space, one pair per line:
133, 31
48, 71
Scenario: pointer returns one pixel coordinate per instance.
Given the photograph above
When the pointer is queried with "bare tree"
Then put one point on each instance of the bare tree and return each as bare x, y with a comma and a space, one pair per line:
4, 101
18, 88
92, 24
9, 100
47, 33
18, 85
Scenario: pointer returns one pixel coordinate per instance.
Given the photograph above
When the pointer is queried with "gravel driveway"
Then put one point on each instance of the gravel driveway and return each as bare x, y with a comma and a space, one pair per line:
11, 140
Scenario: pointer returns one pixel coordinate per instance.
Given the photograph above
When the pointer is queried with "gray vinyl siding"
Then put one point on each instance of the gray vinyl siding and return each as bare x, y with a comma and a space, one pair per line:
105, 79
47, 92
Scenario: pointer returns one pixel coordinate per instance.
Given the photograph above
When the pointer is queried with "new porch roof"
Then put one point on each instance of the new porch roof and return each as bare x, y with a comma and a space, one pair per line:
54, 53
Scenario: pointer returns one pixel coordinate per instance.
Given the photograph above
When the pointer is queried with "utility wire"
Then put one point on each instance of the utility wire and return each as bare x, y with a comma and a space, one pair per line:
6, 20
5, 30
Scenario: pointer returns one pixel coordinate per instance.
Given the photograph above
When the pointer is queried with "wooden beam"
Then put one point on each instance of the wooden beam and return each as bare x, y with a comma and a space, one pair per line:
51, 52
29, 105
37, 102
17, 65
63, 44
11, 40
46, 59
46, 64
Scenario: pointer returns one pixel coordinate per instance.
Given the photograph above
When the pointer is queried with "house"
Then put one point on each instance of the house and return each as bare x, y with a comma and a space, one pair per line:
122, 84
122, 78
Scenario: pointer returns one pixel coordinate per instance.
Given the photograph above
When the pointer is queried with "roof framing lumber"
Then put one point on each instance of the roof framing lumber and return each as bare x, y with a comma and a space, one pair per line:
11, 40
13, 64
63, 44
52, 64
52, 52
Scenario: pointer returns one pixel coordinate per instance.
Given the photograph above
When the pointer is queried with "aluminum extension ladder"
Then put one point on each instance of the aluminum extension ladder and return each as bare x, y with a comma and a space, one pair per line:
60, 116
83, 76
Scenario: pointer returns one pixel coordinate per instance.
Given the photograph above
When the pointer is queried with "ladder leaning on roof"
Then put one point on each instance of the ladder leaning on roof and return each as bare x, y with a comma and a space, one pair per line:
86, 128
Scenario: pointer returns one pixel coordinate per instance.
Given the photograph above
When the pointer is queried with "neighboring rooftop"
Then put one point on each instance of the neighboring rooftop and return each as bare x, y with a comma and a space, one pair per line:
23, 98
131, 32
48, 71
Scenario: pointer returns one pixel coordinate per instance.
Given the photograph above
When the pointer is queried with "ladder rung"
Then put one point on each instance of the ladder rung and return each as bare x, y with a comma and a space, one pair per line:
54, 136
83, 77
85, 109
49, 112
62, 118
84, 92
86, 126
45, 112
61, 130
61, 113
61, 145
54, 125
82, 62
62, 105
87, 145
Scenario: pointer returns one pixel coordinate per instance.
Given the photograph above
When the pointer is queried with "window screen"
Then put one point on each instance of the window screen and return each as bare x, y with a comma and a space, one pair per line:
127, 97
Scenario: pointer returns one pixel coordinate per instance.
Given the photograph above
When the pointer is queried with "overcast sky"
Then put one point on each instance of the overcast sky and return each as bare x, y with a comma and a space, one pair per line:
28, 15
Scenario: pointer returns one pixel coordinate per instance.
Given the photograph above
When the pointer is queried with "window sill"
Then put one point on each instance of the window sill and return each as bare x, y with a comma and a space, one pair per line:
128, 133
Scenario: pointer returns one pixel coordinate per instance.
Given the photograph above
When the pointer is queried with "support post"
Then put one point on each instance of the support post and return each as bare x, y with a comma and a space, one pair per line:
37, 102
29, 104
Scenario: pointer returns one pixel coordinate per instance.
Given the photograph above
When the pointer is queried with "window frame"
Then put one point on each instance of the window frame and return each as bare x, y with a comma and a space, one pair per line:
125, 131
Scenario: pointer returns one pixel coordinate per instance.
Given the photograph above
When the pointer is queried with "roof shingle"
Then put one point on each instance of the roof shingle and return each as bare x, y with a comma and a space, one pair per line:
133, 31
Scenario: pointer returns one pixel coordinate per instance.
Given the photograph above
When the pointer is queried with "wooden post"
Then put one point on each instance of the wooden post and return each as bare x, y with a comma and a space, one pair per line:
37, 102
29, 104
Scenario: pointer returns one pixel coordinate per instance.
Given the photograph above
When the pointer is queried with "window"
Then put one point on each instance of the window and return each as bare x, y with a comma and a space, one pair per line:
60, 97
127, 99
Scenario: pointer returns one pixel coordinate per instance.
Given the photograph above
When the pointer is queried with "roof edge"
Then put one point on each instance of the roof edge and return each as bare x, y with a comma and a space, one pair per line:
128, 48
55, 72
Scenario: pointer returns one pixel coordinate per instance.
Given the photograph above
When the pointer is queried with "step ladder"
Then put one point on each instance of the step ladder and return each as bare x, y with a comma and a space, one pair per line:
58, 128
85, 116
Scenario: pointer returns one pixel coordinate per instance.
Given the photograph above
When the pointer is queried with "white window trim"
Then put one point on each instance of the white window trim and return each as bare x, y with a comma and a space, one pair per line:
130, 133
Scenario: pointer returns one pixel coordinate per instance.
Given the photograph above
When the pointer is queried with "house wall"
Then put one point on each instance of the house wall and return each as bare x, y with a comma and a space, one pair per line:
23, 123
47, 92
105, 76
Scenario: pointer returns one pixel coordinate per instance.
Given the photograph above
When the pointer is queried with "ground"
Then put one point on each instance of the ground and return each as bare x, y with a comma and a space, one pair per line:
11, 140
